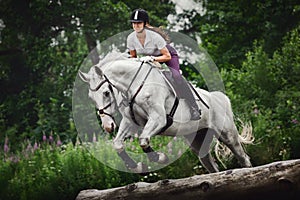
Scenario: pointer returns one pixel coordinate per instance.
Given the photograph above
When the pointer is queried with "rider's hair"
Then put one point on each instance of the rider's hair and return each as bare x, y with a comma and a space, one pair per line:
161, 32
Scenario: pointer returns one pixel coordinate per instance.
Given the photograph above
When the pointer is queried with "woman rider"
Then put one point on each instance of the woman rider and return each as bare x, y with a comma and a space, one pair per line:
147, 41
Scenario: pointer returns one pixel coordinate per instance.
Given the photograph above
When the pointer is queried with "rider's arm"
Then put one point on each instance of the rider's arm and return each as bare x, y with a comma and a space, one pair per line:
164, 57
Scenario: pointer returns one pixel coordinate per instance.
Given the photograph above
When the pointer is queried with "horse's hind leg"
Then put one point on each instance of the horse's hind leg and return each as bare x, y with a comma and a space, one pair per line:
231, 139
200, 144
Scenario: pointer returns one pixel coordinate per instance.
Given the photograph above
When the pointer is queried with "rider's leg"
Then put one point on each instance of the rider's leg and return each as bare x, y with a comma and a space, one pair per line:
181, 87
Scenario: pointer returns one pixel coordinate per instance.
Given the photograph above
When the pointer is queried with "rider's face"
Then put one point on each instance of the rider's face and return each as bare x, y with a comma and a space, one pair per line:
138, 26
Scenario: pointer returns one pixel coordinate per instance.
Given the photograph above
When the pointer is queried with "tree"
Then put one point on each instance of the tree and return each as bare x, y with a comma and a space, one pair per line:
229, 28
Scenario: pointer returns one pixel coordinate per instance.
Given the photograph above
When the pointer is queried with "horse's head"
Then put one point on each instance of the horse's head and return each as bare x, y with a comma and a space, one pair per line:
101, 92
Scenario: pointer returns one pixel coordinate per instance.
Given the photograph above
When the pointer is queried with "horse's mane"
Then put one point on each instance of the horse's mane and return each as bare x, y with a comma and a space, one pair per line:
112, 56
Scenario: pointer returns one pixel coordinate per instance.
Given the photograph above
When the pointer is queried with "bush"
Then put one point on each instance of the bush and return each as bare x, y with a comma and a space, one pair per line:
265, 91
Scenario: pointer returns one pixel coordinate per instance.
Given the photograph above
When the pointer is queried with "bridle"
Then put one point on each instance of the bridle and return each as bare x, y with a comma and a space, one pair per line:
126, 99
101, 112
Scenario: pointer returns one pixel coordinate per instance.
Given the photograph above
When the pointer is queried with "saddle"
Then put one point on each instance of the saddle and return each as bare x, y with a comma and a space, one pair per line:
170, 80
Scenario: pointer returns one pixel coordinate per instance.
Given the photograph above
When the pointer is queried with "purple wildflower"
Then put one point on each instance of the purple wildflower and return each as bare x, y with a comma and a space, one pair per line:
131, 139
295, 121
29, 147
58, 143
35, 146
44, 138
6, 147
256, 111
14, 159
51, 138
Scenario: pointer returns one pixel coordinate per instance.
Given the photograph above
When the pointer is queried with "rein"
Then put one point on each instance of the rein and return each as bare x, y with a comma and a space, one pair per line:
102, 112
131, 102
137, 92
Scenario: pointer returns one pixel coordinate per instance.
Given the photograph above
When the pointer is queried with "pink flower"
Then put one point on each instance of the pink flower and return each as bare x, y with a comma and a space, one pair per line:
255, 111
169, 145
29, 147
44, 138
35, 146
58, 143
131, 139
295, 121
50, 138
6, 147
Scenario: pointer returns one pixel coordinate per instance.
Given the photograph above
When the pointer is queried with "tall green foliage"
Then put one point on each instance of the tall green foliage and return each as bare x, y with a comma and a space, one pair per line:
266, 88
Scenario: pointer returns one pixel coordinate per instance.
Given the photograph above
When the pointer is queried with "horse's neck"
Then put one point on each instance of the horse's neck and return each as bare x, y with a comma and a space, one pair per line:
121, 73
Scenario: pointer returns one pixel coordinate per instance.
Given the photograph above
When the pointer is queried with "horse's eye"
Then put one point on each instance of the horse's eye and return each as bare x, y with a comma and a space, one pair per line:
106, 93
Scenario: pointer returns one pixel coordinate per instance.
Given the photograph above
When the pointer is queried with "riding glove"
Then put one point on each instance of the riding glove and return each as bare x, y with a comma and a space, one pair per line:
147, 59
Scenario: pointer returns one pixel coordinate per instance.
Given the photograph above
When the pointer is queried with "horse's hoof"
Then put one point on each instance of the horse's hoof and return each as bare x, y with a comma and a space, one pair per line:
141, 169
144, 142
163, 158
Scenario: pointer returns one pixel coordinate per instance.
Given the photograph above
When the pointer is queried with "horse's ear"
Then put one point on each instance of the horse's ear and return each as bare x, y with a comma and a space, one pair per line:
84, 76
98, 71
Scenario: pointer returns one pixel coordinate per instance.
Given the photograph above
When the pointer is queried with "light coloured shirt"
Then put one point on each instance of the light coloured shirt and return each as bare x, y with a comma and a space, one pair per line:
152, 46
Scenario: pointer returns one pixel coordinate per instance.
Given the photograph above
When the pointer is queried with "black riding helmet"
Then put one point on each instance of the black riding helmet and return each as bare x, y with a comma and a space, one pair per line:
139, 15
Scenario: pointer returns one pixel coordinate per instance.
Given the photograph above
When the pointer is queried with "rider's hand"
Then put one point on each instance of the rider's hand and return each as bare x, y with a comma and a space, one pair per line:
147, 59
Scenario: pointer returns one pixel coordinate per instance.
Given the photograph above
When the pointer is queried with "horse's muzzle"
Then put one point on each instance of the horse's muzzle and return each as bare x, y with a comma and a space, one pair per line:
109, 129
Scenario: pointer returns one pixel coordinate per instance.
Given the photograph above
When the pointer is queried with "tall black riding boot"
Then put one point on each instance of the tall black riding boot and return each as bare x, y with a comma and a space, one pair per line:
184, 91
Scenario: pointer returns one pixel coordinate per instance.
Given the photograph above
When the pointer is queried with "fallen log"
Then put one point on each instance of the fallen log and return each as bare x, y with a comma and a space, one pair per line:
278, 180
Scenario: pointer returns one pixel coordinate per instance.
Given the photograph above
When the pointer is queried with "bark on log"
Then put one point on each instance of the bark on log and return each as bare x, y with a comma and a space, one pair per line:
278, 180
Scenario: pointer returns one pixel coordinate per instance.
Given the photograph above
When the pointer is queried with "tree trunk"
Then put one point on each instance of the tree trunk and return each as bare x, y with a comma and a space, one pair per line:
278, 180
94, 56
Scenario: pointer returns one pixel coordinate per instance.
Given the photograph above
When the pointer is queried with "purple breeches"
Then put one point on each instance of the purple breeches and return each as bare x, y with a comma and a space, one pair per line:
173, 64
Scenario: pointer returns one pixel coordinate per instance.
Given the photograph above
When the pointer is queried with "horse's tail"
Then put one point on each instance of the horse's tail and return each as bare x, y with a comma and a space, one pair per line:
246, 137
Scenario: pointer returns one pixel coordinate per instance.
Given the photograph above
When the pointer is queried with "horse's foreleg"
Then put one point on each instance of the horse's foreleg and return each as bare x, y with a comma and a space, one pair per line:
152, 127
118, 145
154, 124
156, 156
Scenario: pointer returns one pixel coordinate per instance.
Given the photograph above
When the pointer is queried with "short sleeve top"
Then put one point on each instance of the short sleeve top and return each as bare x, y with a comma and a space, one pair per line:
153, 43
